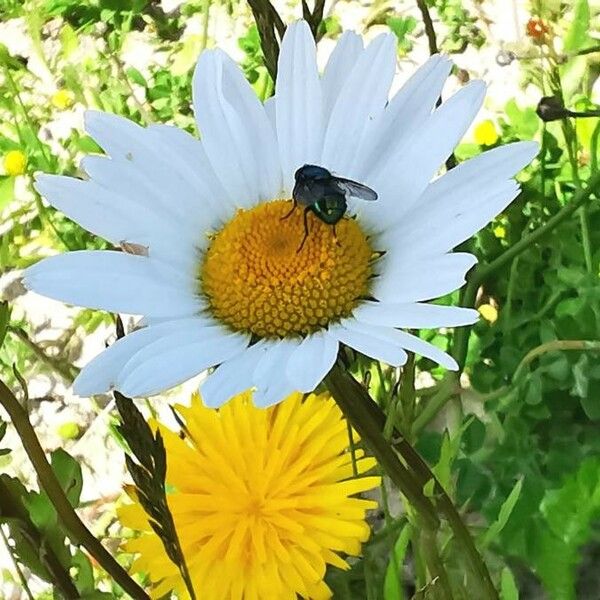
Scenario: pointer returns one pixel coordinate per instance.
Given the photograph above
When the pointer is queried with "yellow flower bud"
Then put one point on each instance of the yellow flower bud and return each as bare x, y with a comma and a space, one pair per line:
15, 162
485, 133
500, 232
62, 99
488, 312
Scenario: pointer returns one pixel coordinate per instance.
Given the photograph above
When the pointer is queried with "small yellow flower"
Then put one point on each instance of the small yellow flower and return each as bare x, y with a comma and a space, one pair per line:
488, 312
62, 99
262, 500
500, 232
15, 162
485, 133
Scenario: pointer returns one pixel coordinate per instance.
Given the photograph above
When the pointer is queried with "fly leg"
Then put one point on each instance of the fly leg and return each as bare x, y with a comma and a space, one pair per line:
294, 204
335, 237
306, 211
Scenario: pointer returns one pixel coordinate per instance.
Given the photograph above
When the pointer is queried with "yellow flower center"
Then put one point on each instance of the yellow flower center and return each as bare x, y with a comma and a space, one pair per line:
257, 279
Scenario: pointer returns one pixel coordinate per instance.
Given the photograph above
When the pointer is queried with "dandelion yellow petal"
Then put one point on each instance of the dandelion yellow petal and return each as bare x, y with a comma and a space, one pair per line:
263, 500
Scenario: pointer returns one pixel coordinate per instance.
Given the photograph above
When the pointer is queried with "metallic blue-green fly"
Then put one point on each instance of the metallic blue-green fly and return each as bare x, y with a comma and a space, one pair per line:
325, 195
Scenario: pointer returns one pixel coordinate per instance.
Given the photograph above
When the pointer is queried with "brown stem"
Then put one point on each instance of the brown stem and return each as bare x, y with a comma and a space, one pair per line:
428, 23
369, 420
78, 532
268, 23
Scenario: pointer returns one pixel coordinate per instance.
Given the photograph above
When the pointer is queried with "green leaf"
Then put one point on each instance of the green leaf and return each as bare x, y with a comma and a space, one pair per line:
577, 37
7, 190
392, 587
68, 473
136, 76
508, 586
84, 579
505, 511
68, 40
533, 394
591, 402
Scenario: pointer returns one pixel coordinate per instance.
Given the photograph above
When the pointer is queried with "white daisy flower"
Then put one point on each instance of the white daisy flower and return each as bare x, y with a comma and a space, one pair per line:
222, 282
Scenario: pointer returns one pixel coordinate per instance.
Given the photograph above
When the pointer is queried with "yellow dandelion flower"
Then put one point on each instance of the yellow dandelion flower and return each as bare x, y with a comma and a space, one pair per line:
485, 133
62, 99
488, 312
15, 162
262, 500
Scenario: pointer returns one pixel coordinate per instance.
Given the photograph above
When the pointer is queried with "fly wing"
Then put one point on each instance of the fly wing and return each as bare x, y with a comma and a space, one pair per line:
355, 189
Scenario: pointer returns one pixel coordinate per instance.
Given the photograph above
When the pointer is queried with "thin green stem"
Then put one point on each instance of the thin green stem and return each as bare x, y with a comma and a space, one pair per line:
67, 371
78, 532
432, 407
16, 565
552, 346
144, 113
435, 564
14, 90
570, 136
205, 23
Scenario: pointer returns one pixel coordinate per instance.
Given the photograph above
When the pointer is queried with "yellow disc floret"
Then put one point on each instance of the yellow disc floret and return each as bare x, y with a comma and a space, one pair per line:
257, 280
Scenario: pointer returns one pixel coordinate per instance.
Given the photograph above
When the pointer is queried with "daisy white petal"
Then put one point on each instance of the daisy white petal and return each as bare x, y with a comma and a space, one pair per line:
311, 361
226, 380
403, 176
175, 358
299, 113
360, 102
222, 241
193, 165
121, 178
406, 111
113, 281
268, 377
414, 315
339, 66
139, 158
100, 375
415, 344
108, 215
407, 279
233, 124
464, 200
371, 341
